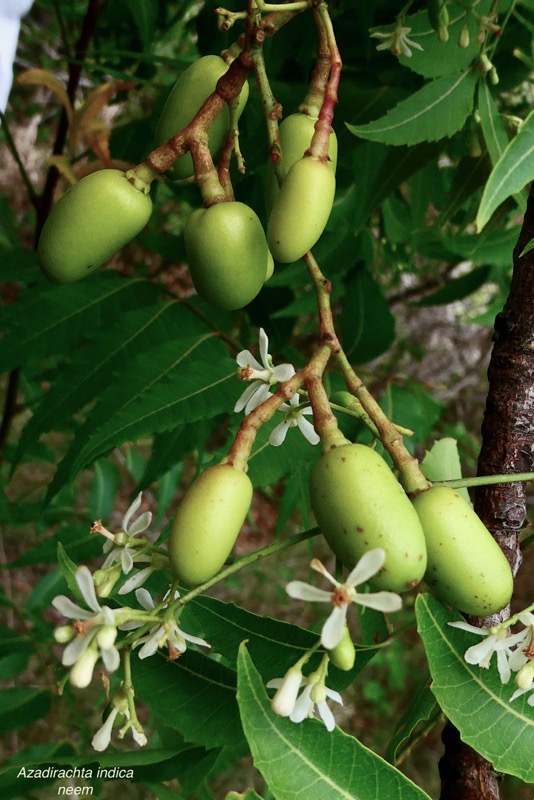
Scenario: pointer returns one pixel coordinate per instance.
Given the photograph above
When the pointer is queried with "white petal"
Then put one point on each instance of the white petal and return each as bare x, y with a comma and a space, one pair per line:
283, 372
139, 737
319, 567
136, 581
307, 430
70, 609
333, 695
380, 601
333, 628
368, 565
189, 638
144, 598
246, 359
385, 45
478, 652
247, 394
113, 556
518, 693
274, 683
131, 511
102, 737
465, 626
326, 716
303, 591
303, 705
151, 645
264, 349
278, 434
84, 579
126, 560
111, 659
141, 523
76, 648
258, 398
131, 625
505, 673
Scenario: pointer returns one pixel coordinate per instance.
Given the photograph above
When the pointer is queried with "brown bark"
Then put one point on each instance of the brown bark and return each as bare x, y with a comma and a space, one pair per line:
507, 447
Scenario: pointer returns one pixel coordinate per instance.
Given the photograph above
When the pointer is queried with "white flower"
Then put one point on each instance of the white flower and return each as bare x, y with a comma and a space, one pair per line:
263, 375
294, 418
95, 630
167, 633
102, 737
287, 688
495, 641
121, 546
396, 40
345, 593
313, 697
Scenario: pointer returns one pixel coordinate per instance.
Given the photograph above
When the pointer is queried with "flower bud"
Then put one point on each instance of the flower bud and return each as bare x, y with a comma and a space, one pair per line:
105, 638
82, 671
284, 700
105, 580
318, 693
63, 634
525, 676
463, 38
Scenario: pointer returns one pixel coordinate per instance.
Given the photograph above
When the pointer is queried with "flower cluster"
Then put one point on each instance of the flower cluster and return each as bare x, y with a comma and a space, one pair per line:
515, 652
287, 702
162, 633
92, 632
125, 550
263, 377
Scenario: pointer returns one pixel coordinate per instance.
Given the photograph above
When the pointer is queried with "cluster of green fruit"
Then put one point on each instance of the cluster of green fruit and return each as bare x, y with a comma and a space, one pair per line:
230, 257
359, 505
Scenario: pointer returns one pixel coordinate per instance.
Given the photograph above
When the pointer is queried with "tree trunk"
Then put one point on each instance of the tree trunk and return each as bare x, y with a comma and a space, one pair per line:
507, 447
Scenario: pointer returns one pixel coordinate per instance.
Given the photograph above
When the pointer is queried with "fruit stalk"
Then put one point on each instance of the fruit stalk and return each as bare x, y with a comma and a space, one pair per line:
323, 127
242, 446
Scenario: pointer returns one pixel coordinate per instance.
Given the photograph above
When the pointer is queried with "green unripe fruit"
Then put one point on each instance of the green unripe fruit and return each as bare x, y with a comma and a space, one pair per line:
359, 505
92, 221
466, 566
270, 266
227, 254
207, 523
190, 91
296, 132
301, 209
343, 655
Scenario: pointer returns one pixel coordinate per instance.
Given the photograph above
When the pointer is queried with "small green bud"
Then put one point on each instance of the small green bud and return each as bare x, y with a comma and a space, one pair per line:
63, 634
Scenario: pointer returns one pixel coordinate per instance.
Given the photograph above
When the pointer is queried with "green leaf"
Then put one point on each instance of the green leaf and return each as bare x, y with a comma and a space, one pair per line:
379, 169
68, 570
106, 480
457, 288
422, 708
437, 110
112, 351
527, 248
513, 170
274, 645
194, 695
180, 381
22, 706
366, 324
492, 125
305, 761
13, 665
59, 315
473, 698
248, 794
442, 463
